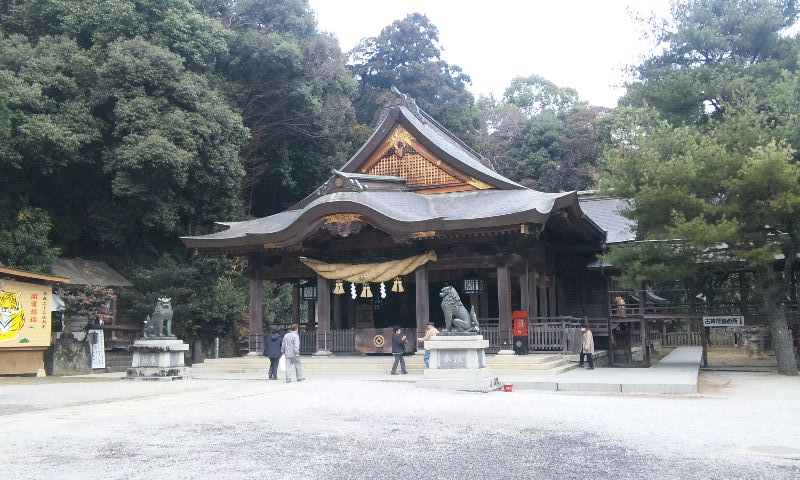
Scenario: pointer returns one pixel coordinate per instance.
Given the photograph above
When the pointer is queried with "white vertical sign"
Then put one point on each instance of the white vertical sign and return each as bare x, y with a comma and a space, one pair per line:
97, 348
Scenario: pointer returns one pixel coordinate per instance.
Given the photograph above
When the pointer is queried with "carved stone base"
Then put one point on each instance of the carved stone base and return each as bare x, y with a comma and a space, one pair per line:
158, 360
458, 362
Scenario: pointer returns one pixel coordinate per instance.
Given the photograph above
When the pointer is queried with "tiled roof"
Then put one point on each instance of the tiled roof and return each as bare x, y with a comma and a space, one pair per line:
399, 211
88, 272
605, 212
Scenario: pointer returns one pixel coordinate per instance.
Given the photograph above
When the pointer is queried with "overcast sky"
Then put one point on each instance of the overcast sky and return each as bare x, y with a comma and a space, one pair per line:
584, 44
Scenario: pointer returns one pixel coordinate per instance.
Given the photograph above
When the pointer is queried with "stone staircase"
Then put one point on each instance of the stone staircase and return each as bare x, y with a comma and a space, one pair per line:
500, 364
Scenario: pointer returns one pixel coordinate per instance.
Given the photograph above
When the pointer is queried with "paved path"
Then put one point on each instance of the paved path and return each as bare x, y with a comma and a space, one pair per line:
677, 373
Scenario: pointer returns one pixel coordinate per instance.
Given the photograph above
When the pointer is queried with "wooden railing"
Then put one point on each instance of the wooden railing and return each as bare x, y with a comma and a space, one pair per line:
308, 341
676, 301
680, 339
343, 341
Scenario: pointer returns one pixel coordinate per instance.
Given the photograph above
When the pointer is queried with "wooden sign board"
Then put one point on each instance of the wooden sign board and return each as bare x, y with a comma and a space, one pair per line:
379, 340
24, 314
723, 321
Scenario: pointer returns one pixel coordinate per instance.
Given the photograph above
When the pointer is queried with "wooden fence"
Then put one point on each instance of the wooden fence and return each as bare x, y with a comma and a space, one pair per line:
343, 341
717, 338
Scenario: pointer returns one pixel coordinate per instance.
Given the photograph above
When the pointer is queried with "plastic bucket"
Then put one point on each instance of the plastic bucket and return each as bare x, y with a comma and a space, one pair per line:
508, 387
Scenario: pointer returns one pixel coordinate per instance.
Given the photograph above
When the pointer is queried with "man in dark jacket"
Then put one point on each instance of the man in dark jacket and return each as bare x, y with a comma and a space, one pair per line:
398, 349
272, 350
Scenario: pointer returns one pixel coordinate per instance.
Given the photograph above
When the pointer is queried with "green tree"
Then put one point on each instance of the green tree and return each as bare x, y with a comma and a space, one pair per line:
541, 135
407, 55
115, 125
711, 49
295, 94
535, 94
727, 190
24, 241
116, 108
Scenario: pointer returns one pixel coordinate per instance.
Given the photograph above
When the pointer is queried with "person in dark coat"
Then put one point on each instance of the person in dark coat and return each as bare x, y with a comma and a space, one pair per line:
272, 350
398, 349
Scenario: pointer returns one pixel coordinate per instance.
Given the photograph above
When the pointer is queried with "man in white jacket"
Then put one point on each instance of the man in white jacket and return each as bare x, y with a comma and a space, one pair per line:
290, 348
587, 346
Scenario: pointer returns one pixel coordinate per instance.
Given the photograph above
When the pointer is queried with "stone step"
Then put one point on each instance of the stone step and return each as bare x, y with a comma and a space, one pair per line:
353, 359
375, 365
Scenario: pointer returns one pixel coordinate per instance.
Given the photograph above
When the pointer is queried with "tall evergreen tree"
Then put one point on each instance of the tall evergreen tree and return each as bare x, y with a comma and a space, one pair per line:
407, 55
114, 126
295, 95
712, 161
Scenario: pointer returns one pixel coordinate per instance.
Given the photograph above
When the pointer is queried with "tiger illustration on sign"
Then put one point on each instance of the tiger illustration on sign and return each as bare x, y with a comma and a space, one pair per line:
11, 316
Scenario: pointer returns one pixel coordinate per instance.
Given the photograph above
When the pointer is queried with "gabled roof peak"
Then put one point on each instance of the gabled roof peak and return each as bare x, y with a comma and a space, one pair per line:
439, 161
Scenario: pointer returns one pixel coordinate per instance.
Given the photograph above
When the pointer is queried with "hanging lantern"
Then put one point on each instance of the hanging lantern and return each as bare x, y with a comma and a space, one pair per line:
339, 288
472, 284
366, 292
397, 286
309, 291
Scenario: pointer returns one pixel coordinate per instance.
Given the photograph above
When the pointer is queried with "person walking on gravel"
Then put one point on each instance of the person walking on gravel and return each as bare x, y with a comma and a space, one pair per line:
587, 346
291, 349
398, 349
272, 350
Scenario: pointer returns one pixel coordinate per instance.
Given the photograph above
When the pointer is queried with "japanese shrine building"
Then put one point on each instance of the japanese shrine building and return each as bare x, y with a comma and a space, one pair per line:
415, 196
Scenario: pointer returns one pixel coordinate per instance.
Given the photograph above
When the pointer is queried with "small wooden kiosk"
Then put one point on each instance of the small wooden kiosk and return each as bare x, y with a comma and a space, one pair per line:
25, 330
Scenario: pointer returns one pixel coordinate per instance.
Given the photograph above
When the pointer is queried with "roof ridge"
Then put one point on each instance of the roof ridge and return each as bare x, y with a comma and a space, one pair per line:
426, 117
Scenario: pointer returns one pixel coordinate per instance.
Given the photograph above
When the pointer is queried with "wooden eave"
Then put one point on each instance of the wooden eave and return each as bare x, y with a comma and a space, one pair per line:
34, 276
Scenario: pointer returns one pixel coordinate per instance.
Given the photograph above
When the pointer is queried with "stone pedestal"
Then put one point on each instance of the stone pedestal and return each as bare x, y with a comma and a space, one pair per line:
158, 359
458, 362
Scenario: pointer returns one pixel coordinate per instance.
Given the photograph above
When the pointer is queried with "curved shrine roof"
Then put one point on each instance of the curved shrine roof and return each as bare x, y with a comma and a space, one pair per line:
397, 213
465, 193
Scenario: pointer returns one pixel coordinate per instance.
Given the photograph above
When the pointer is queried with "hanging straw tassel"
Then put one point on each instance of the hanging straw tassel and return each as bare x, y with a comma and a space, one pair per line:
366, 292
339, 289
397, 286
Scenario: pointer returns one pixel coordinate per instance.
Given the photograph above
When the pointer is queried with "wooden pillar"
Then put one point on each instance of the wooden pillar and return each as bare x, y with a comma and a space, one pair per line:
337, 312
524, 290
484, 302
692, 318
643, 302
423, 308
609, 326
323, 314
504, 305
552, 308
256, 313
533, 294
295, 303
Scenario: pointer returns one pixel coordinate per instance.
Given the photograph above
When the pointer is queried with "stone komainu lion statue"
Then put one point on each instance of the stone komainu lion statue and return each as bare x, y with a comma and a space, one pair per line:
456, 317
159, 324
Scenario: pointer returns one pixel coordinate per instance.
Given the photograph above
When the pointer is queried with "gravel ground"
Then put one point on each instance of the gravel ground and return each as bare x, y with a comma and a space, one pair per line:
743, 426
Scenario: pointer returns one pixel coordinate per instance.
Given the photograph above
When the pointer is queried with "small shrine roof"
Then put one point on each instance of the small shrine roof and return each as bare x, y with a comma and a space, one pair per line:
88, 272
606, 213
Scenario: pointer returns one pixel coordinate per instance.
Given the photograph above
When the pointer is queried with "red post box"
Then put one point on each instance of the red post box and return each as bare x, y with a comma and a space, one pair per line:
520, 318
